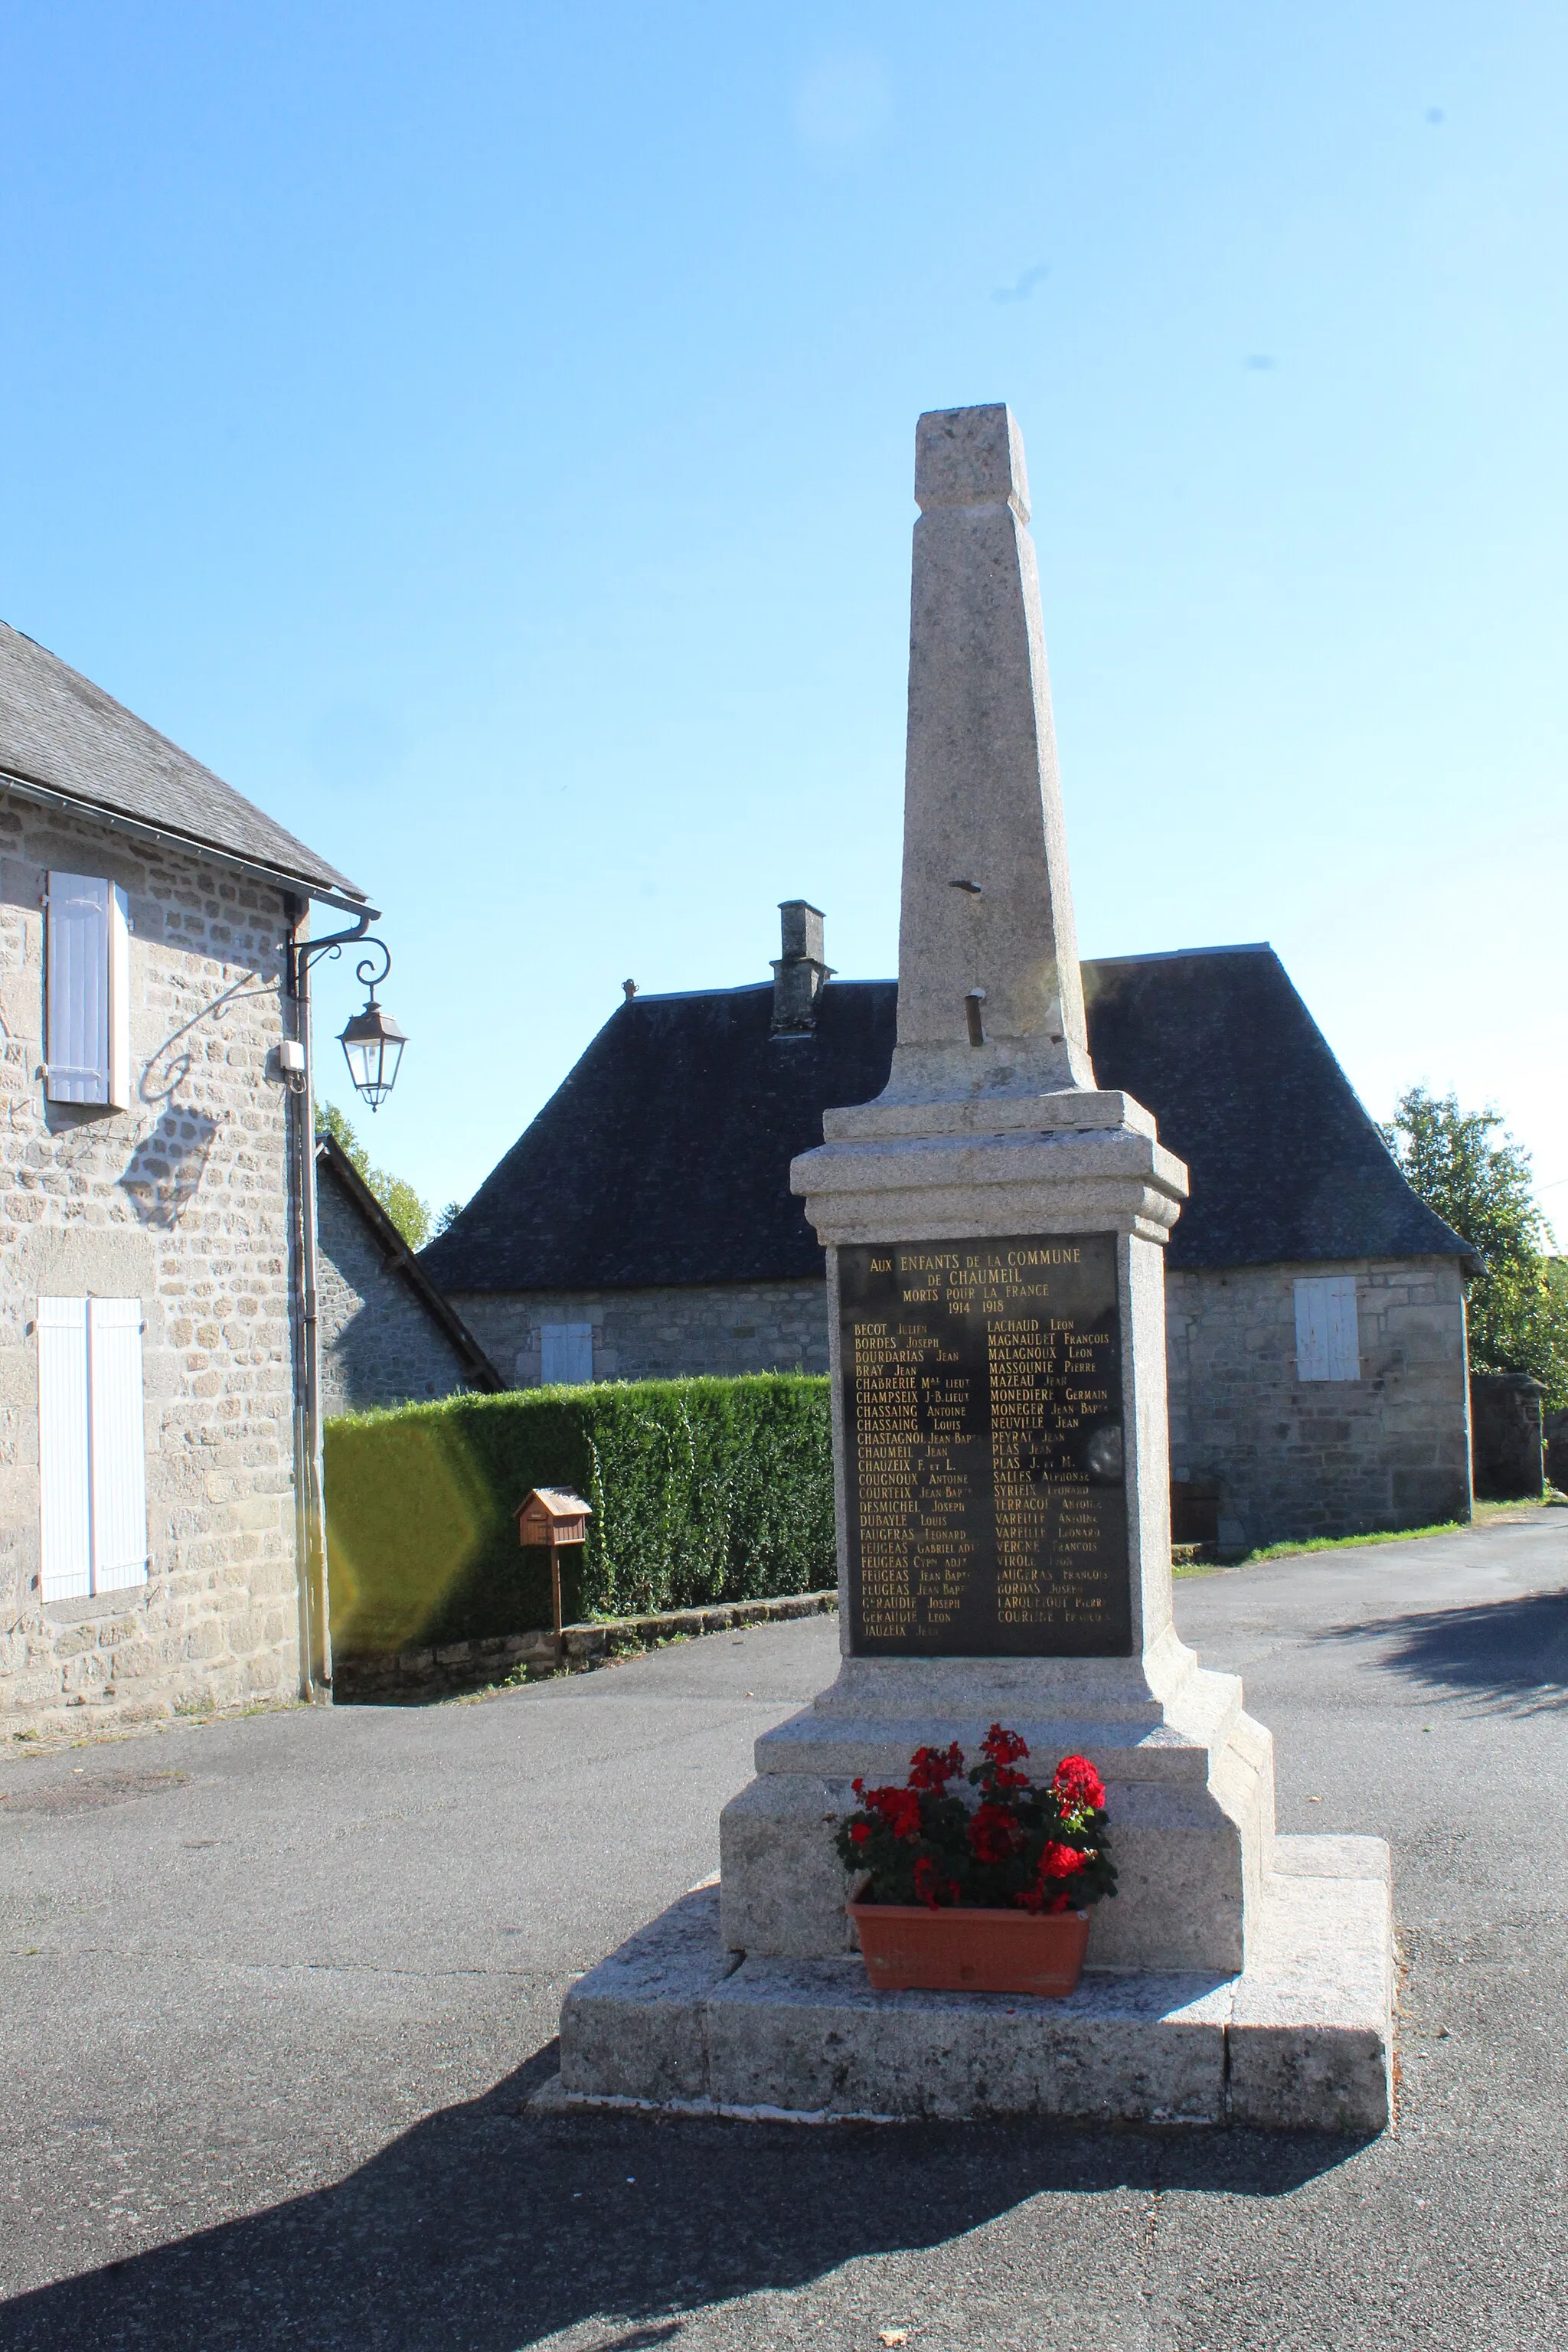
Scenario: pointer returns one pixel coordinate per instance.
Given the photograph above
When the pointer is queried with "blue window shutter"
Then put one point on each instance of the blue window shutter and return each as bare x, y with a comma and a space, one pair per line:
566, 1354
1327, 1343
77, 1024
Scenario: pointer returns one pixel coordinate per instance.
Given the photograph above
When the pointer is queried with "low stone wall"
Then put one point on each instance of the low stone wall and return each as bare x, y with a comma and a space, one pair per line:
415, 1677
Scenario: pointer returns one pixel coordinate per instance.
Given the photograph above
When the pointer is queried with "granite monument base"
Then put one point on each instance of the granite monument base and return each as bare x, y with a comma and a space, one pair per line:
1301, 2040
1189, 1779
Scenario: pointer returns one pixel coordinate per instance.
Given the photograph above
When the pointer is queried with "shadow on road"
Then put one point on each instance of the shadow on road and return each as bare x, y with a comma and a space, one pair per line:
1512, 1656
484, 2229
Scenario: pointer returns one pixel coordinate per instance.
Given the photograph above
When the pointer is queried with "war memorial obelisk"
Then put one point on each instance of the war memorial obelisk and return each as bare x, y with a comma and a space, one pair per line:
994, 1225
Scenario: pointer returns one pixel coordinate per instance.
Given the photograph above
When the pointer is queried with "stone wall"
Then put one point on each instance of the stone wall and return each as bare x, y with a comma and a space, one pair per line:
415, 1677
380, 1344
1289, 1458
1297, 1459
180, 1202
659, 1335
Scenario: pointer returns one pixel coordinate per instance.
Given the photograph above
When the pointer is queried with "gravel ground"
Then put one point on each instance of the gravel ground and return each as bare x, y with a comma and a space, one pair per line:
276, 1991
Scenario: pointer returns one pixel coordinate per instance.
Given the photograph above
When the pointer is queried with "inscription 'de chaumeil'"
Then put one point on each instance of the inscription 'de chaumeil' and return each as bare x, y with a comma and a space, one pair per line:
982, 1441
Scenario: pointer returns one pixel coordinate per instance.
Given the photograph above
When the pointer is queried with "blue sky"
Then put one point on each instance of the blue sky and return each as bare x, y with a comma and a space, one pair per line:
485, 436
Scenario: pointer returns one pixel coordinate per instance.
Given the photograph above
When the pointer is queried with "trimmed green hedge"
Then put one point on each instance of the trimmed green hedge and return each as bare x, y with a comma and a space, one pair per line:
701, 1490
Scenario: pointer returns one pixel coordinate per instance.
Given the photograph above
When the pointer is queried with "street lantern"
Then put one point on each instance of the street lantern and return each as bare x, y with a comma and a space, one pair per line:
373, 1046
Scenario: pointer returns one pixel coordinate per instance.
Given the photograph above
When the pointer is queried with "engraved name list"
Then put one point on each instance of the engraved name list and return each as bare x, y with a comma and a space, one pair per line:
987, 1511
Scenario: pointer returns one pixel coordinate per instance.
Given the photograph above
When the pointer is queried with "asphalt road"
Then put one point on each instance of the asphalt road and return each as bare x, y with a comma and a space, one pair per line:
275, 1991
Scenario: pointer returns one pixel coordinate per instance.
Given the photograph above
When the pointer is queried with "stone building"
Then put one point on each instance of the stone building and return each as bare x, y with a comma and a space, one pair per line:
643, 1226
386, 1335
156, 1409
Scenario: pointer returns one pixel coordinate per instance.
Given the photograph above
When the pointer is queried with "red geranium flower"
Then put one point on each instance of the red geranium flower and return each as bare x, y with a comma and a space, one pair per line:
1078, 1785
1003, 1747
933, 1768
860, 1832
899, 1809
1060, 1861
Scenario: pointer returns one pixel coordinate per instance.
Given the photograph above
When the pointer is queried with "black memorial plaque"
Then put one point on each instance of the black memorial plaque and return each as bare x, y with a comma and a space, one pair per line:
987, 1501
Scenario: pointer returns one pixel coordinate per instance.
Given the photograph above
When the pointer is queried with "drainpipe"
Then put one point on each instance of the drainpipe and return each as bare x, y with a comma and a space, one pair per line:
309, 1518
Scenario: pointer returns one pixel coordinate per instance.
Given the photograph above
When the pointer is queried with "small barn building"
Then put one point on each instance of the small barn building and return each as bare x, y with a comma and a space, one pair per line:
386, 1335
643, 1226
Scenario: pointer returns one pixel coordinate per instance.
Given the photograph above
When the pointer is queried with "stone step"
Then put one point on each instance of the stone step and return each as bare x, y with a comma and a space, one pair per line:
1301, 2041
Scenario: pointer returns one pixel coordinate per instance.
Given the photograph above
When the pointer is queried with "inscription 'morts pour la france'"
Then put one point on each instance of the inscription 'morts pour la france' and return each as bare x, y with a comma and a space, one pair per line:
987, 1502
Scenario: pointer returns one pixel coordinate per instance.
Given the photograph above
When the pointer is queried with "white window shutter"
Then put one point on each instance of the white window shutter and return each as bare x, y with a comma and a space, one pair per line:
566, 1354
77, 1028
1327, 1343
65, 1507
118, 1026
119, 1444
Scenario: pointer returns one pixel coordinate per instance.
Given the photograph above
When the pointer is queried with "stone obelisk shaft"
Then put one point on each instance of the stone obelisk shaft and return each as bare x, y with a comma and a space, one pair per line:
994, 1228
990, 1000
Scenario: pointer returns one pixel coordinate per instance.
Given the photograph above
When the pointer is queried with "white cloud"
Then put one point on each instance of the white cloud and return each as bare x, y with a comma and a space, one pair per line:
842, 100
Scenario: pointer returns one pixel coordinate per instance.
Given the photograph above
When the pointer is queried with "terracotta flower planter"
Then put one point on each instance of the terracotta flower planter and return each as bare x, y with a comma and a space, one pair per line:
908, 1949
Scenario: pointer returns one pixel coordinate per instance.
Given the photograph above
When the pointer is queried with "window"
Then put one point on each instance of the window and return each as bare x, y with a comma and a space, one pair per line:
87, 1026
1326, 1345
93, 1447
566, 1354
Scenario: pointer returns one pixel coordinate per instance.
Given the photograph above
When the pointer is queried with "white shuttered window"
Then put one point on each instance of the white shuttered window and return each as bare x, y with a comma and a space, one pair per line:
566, 1354
92, 1446
87, 988
1327, 1348
64, 1507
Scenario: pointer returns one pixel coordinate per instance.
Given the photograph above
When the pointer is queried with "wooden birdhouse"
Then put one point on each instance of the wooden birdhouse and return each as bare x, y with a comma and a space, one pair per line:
550, 1516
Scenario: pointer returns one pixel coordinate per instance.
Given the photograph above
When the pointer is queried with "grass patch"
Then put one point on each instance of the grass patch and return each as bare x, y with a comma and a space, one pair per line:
1349, 1543
1484, 1515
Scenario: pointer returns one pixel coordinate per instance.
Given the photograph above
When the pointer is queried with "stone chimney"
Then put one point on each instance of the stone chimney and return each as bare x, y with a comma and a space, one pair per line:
799, 971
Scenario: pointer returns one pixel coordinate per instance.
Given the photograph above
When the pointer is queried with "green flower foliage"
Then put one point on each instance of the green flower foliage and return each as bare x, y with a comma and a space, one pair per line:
1518, 1303
701, 1490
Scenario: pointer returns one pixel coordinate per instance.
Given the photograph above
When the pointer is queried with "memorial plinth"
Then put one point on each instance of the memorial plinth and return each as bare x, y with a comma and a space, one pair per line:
995, 1227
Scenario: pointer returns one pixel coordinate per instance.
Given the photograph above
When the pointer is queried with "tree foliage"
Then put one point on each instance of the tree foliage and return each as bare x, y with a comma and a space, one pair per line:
1484, 1189
409, 1212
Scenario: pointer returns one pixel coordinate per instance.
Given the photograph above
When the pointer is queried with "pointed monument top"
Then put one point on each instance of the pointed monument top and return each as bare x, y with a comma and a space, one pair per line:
990, 997
970, 457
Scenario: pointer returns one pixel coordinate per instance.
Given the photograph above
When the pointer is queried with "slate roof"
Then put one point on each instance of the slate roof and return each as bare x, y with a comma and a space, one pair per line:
664, 1158
59, 730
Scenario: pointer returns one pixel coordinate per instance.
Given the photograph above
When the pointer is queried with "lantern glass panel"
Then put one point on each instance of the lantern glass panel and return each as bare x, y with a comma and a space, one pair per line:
372, 1047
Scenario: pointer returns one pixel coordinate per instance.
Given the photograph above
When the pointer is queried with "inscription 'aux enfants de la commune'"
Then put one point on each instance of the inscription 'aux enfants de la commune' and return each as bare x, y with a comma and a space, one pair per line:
983, 1426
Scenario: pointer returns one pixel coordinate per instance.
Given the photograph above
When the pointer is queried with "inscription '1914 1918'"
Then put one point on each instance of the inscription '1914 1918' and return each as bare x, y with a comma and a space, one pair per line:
988, 1506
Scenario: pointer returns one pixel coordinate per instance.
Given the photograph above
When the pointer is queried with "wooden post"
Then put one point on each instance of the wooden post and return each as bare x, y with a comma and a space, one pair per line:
551, 1516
